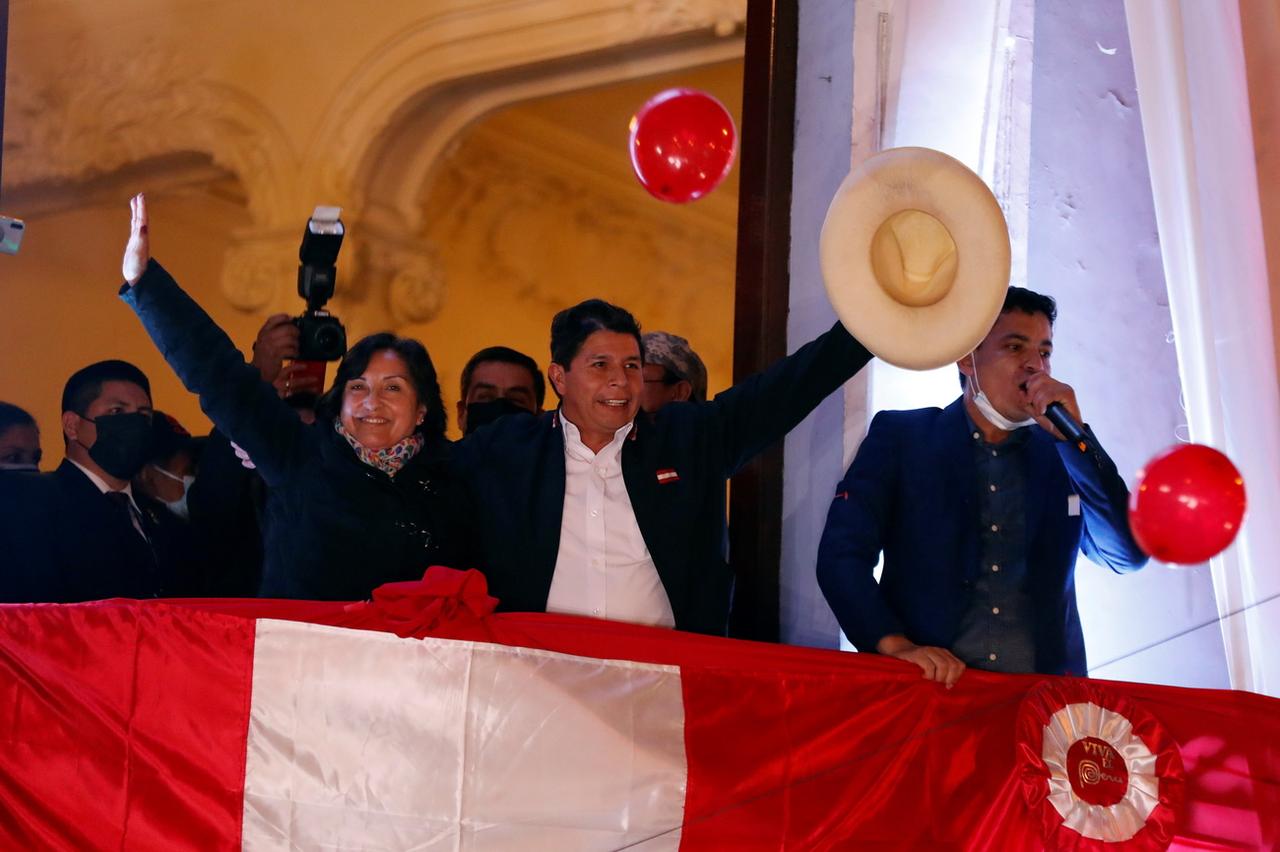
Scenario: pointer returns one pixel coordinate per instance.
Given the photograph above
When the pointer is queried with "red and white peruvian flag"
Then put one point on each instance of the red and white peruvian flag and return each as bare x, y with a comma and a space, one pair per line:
487, 747
421, 721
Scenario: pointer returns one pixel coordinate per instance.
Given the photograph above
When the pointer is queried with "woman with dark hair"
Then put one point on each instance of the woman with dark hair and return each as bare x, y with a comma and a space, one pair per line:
412, 355
361, 497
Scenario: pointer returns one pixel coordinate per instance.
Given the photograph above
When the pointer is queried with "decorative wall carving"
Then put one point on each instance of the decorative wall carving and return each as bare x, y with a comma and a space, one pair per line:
103, 105
255, 269
427, 68
539, 240
384, 277
93, 118
659, 17
105, 111
408, 272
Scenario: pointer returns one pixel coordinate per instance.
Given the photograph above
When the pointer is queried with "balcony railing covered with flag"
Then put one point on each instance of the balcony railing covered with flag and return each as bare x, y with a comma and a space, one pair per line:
421, 720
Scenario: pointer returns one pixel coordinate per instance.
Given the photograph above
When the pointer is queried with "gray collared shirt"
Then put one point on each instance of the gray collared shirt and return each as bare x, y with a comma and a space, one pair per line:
996, 630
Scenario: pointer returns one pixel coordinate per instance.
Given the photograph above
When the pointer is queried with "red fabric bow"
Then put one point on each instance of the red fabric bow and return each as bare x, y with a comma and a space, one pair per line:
445, 603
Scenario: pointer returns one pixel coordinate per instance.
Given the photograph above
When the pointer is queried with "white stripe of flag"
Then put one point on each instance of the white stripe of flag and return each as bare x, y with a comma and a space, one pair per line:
365, 740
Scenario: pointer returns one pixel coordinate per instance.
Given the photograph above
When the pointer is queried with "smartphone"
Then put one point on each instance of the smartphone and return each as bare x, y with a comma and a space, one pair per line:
316, 369
11, 231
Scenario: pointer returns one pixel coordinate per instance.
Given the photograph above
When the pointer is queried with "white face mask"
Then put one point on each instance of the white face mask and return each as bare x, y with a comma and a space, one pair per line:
995, 418
179, 506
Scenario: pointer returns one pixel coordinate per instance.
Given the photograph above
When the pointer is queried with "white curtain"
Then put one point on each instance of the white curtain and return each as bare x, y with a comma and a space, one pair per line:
1189, 63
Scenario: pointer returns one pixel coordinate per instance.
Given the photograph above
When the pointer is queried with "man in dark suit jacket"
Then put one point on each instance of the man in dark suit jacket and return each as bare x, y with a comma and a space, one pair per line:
590, 509
979, 509
80, 532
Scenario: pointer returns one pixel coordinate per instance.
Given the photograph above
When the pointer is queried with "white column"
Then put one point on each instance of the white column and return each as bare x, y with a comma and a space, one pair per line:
953, 75
1189, 63
812, 452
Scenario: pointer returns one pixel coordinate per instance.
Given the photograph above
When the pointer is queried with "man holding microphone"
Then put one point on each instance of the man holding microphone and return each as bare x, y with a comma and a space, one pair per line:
979, 509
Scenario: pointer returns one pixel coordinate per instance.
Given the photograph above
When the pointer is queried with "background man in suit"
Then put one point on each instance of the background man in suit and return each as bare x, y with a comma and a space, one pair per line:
81, 532
591, 509
498, 380
979, 509
171, 465
673, 372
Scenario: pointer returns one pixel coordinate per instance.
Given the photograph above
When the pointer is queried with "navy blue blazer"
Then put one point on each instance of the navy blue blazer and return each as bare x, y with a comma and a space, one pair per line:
910, 493
513, 473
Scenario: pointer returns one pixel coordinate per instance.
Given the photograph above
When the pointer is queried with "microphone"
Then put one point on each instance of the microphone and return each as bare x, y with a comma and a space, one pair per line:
1058, 415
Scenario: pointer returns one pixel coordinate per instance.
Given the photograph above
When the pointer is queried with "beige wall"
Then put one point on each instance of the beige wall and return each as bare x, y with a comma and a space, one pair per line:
59, 308
1260, 26
530, 214
478, 150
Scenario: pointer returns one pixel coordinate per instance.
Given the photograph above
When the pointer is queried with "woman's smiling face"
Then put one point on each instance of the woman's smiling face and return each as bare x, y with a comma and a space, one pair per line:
380, 407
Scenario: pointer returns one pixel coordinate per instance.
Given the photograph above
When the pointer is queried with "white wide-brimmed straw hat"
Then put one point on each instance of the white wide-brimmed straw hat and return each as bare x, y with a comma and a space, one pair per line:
915, 255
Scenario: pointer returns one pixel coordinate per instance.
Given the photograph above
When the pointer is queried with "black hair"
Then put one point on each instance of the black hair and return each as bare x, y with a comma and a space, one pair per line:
168, 438
421, 372
85, 385
571, 327
12, 415
1028, 302
505, 355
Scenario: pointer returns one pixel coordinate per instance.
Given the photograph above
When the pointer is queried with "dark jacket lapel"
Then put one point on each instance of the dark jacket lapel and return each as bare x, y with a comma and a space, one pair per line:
641, 481
103, 555
88, 510
548, 503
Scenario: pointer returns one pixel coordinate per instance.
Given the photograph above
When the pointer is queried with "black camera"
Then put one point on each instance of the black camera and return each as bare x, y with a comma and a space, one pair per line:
321, 336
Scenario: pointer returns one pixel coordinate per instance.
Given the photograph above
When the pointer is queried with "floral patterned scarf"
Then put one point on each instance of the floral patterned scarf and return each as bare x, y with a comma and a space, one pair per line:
388, 460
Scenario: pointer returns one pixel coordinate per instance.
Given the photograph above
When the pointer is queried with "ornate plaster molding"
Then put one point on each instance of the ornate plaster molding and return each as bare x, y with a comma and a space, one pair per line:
383, 279
397, 165
408, 275
416, 73
503, 198
85, 121
661, 17
104, 112
256, 268
544, 147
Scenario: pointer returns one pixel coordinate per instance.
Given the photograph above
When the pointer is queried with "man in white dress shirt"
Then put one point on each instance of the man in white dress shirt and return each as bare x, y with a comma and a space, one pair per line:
599, 510
603, 567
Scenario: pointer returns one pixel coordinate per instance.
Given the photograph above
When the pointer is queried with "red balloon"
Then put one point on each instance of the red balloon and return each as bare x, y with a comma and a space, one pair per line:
1188, 504
682, 144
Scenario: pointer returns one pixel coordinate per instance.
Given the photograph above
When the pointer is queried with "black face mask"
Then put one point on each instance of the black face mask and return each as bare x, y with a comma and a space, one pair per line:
124, 442
483, 413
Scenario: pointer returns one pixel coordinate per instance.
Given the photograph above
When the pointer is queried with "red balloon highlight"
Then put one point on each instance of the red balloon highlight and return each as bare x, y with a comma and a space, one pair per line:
1188, 505
683, 142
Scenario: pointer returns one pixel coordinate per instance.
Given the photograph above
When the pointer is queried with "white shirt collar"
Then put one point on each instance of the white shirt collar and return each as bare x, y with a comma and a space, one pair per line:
102, 485
574, 446
603, 565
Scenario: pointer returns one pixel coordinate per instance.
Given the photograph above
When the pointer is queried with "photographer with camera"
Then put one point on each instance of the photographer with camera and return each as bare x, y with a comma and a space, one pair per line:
276, 354
363, 493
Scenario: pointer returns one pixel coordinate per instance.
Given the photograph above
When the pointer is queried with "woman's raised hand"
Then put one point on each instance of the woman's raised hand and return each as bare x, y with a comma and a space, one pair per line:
138, 249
